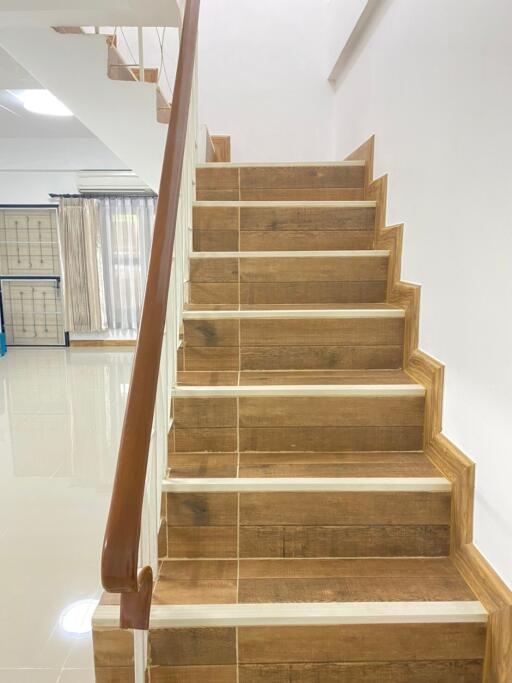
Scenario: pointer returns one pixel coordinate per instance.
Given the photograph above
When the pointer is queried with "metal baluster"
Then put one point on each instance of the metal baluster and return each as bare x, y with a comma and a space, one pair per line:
40, 242
56, 301
29, 249
22, 313
34, 311
44, 313
17, 241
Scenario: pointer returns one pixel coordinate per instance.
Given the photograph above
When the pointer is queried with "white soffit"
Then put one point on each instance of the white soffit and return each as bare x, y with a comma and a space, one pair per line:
89, 13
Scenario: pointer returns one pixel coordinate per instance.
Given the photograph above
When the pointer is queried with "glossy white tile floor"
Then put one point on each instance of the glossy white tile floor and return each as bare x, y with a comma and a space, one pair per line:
60, 419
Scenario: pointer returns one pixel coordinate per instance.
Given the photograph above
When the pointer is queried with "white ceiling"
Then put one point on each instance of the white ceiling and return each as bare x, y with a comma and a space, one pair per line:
17, 122
90, 12
12, 75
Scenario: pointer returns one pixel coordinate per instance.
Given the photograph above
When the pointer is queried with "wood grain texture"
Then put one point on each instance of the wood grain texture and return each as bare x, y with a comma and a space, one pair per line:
336, 465
113, 647
217, 178
319, 357
216, 217
361, 643
203, 358
333, 292
317, 194
409, 568
334, 589
282, 218
321, 331
192, 646
215, 240
280, 228
497, 599
460, 470
214, 292
201, 542
205, 332
202, 509
214, 270
365, 152
311, 239
281, 183
340, 411
334, 439
344, 541
343, 508
304, 580
203, 464
464, 671
213, 412
103, 343
202, 674
252, 177
222, 146
305, 270
219, 440
115, 674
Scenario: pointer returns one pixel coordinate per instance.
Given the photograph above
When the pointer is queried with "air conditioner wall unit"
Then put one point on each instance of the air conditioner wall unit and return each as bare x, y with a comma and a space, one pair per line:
111, 182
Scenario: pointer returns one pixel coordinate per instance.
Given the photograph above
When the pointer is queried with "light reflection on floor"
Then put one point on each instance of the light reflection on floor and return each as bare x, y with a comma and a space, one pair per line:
60, 418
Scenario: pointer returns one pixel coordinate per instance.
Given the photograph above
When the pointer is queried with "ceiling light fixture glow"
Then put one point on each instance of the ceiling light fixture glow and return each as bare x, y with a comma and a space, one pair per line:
76, 618
42, 102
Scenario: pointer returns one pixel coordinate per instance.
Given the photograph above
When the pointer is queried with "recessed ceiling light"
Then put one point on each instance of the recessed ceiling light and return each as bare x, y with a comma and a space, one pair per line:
76, 618
42, 102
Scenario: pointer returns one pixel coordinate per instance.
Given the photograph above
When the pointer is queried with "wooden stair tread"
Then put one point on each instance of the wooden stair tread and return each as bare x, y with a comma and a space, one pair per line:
325, 377
294, 377
310, 580
371, 464
281, 164
290, 307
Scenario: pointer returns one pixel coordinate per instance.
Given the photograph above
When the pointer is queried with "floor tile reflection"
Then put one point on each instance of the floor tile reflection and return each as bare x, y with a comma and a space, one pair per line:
60, 419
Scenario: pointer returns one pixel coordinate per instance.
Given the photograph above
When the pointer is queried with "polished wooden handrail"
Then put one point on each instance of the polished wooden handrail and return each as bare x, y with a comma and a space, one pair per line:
121, 544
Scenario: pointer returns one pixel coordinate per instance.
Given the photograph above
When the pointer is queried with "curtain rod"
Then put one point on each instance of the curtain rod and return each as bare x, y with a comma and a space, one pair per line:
103, 195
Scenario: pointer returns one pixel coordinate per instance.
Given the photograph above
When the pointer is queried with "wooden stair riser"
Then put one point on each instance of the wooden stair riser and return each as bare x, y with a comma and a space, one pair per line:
292, 344
278, 583
288, 280
231, 228
276, 464
270, 524
369, 653
298, 423
267, 183
118, 70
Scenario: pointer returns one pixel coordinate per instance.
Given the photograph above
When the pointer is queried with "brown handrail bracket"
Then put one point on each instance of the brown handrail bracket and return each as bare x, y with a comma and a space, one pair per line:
119, 566
136, 607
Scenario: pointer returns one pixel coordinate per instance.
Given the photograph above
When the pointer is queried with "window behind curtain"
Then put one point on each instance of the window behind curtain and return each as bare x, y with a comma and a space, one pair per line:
126, 225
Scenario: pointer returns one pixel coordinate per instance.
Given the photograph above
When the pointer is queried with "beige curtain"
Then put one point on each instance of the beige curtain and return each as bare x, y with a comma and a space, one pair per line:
79, 232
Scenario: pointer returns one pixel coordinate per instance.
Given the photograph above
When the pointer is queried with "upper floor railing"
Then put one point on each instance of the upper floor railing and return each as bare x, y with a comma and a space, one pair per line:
129, 550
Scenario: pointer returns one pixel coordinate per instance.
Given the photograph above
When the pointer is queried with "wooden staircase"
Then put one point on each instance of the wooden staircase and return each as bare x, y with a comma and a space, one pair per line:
306, 532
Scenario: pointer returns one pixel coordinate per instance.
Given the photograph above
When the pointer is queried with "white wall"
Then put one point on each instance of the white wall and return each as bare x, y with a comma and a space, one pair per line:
433, 82
31, 168
262, 78
341, 18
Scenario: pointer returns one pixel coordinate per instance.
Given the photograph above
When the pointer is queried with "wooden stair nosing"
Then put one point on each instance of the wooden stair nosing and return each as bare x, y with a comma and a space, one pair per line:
279, 164
306, 312
304, 484
306, 613
289, 204
345, 253
302, 390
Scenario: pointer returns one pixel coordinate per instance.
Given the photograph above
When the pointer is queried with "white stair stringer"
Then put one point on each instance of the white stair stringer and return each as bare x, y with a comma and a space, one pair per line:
122, 114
